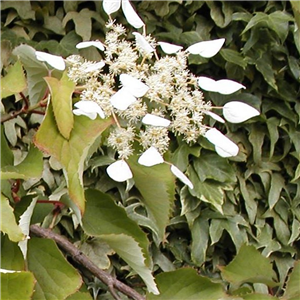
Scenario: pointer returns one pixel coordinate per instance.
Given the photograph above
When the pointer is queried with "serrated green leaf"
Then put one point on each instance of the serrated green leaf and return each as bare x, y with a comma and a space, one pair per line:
14, 81
72, 153
61, 97
56, 278
8, 223
30, 167
249, 266
186, 284
157, 186
292, 290
35, 71
18, 285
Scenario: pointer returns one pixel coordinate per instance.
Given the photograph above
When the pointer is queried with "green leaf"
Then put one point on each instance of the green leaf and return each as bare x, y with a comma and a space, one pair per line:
35, 71
8, 223
72, 153
14, 81
221, 16
23, 8
7, 157
30, 167
186, 284
234, 57
18, 285
277, 184
157, 186
56, 278
249, 266
80, 296
264, 66
292, 291
61, 97
106, 220
255, 296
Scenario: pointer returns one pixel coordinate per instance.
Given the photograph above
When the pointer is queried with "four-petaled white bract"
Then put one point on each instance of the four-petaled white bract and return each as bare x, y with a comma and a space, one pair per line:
119, 171
181, 176
130, 15
153, 120
111, 6
55, 61
87, 44
237, 112
169, 48
135, 86
223, 145
223, 86
142, 43
206, 48
214, 116
150, 157
89, 109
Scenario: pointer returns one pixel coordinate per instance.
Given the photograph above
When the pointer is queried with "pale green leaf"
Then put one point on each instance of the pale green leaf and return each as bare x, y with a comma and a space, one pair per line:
277, 184
61, 97
80, 296
249, 266
222, 16
157, 186
14, 81
8, 223
56, 278
35, 71
23, 8
186, 284
292, 290
279, 22
254, 296
18, 285
72, 153
30, 167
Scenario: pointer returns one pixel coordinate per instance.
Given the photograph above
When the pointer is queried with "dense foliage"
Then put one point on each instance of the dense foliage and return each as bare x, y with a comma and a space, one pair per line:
236, 234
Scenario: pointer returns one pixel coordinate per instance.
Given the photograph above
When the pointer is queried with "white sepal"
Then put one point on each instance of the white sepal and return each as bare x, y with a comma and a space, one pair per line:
169, 48
133, 85
223, 86
206, 48
150, 157
119, 171
181, 176
237, 112
122, 99
95, 67
89, 109
131, 16
87, 44
142, 43
153, 120
214, 116
111, 6
224, 146
55, 61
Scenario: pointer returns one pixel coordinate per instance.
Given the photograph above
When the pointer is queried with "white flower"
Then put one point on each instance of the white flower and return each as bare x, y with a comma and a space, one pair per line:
142, 43
122, 99
94, 67
89, 109
223, 86
206, 48
181, 176
169, 48
223, 145
119, 171
111, 6
150, 157
153, 120
96, 44
57, 62
130, 15
237, 112
214, 116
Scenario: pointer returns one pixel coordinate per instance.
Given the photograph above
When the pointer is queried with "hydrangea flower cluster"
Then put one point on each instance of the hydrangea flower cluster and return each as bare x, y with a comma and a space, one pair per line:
148, 95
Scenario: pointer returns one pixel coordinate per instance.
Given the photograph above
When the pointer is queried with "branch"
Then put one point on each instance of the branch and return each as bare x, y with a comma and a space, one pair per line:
79, 257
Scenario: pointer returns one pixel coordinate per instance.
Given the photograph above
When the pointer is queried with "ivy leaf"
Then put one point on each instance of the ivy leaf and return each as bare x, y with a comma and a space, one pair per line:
240, 270
56, 278
61, 92
186, 284
157, 186
264, 66
14, 81
35, 70
104, 219
72, 153
17, 285
23, 8
8, 223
